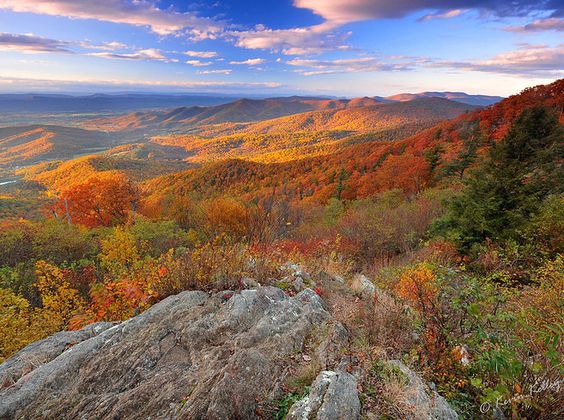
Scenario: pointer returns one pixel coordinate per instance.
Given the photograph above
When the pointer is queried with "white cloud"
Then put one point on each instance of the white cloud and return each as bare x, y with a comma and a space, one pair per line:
131, 12
104, 46
528, 60
352, 65
201, 54
226, 71
295, 41
147, 54
250, 61
198, 63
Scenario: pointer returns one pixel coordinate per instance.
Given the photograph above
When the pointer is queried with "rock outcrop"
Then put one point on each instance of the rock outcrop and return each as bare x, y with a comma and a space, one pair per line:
43, 351
429, 403
333, 396
196, 355
190, 356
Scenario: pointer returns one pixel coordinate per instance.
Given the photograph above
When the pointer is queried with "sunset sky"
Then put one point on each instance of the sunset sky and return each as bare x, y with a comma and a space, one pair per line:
335, 47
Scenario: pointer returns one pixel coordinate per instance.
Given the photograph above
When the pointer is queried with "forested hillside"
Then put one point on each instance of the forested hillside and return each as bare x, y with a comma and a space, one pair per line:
433, 241
30, 144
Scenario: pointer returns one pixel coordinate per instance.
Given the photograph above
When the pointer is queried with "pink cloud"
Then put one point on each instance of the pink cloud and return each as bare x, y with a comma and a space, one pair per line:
295, 41
131, 12
529, 60
548, 24
342, 11
29, 43
147, 54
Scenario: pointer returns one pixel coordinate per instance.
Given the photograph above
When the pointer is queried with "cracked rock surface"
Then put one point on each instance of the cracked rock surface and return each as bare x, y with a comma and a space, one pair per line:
333, 396
190, 356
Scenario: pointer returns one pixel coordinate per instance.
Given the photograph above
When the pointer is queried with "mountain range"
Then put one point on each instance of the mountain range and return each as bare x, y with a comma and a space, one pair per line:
278, 128
129, 102
186, 119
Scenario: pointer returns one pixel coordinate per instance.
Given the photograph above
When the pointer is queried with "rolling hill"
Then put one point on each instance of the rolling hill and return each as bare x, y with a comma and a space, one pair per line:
59, 174
312, 133
30, 144
366, 118
364, 169
188, 119
242, 110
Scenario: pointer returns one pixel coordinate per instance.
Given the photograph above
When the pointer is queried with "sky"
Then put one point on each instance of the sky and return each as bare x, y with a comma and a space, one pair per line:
280, 47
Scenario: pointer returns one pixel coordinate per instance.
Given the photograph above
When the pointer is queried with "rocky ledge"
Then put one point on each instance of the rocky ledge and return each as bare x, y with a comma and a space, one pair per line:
190, 356
195, 355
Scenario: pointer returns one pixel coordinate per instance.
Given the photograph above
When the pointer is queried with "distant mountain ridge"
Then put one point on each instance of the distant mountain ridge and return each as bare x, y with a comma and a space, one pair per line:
246, 127
130, 102
245, 111
39, 103
479, 100
296, 136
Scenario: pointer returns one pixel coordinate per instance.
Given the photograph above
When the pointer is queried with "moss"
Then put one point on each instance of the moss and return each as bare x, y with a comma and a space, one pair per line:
286, 402
389, 372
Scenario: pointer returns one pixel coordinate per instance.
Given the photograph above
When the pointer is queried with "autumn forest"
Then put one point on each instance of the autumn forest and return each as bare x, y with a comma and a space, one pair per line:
453, 211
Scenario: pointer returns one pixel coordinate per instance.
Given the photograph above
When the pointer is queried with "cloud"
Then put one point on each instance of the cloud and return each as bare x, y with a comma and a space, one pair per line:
442, 15
104, 46
529, 60
226, 71
336, 13
15, 84
198, 63
30, 43
526, 61
250, 61
295, 41
357, 10
132, 12
201, 54
353, 65
151, 54
548, 24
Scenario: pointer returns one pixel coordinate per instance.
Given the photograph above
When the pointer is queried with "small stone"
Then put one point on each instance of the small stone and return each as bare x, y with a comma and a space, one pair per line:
250, 283
363, 286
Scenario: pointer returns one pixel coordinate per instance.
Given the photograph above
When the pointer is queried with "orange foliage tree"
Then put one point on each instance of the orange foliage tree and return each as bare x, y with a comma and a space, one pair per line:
419, 287
101, 200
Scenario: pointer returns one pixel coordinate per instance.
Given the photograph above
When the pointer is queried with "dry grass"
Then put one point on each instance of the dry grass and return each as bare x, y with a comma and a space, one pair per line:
388, 326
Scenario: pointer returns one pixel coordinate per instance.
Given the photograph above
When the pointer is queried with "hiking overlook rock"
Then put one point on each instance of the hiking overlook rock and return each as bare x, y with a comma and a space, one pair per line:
197, 355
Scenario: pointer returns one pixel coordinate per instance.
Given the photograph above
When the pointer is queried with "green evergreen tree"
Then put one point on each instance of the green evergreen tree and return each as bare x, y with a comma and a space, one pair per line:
508, 189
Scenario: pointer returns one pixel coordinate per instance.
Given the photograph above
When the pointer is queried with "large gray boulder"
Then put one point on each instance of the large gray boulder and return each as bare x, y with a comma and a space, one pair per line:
429, 404
333, 396
43, 351
190, 356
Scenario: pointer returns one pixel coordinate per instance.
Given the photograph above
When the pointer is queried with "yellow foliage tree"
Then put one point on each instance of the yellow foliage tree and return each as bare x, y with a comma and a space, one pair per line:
60, 301
418, 286
15, 321
119, 252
